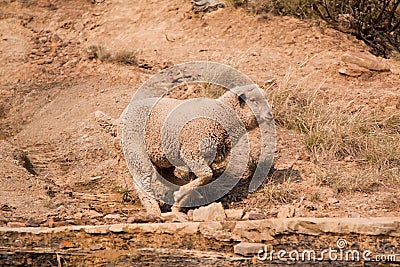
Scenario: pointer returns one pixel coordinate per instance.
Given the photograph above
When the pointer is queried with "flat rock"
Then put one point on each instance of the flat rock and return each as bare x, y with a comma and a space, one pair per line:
248, 249
253, 216
287, 211
366, 61
66, 244
234, 214
212, 212
355, 215
395, 71
112, 216
93, 214
16, 224
117, 228
353, 70
144, 218
171, 217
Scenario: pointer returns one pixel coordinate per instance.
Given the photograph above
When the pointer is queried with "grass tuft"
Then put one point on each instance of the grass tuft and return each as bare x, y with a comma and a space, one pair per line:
334, 132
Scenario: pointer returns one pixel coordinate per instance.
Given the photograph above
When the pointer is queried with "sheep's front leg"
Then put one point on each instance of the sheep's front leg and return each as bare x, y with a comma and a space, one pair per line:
204, 175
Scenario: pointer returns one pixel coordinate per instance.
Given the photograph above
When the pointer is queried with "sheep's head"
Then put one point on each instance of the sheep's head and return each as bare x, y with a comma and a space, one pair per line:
249, 103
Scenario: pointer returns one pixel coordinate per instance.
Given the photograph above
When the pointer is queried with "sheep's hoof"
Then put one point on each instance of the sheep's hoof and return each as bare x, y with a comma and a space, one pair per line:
179, 216
151, 217
184, 193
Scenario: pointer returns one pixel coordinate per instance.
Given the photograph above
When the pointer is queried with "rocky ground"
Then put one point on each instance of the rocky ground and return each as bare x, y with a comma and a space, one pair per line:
60, 61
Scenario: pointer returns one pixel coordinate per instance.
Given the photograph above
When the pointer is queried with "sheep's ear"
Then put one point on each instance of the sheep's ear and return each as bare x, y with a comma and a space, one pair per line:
242, 100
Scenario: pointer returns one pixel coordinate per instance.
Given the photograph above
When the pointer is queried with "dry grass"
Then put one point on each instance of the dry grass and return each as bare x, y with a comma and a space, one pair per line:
337, 133
121, 57
126, 58
280, 193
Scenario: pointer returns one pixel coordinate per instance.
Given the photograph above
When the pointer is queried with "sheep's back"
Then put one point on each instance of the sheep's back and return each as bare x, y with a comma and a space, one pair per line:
198, 138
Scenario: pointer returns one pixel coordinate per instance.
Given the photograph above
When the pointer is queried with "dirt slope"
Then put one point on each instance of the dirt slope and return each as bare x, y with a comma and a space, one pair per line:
50, 89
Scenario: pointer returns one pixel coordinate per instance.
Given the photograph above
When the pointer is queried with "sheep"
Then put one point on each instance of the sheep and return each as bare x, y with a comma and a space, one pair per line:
195, 135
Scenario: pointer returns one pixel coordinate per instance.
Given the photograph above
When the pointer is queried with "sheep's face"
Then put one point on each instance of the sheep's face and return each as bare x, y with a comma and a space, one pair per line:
250, 104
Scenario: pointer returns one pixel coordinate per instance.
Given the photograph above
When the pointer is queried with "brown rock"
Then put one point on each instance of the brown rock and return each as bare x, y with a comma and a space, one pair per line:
248, 249
93, 214
144, 218
78, 216
171, 217
66, 244
97, 247
366, 61
212, 212
117, 228
16, 224
234, 214
256, 216
99, 230
112, 216
287, 211
395, 71
253, 216
353, 70
61, 223
34, 223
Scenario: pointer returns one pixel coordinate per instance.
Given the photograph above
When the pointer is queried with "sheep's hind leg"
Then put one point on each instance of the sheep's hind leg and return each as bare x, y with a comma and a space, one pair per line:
150, 204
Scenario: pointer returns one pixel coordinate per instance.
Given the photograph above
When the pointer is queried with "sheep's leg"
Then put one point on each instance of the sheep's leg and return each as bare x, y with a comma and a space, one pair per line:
204, 176
149, 203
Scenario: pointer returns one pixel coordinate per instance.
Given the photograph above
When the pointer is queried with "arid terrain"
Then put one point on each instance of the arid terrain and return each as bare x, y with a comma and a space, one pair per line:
60, 61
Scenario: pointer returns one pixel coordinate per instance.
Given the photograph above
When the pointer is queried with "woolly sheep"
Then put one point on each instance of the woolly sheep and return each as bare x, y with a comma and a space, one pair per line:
203, 143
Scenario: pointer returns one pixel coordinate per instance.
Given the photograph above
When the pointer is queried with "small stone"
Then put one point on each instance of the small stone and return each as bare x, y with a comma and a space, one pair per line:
16, 224
117, 228
99, 230
171, 217
66, 244
95, 178
212, 212
248, 249
395, 71
112, 216
353, 70
45, 224
366, 61
78, 216
355, 215
50, 222
190, 215
332, 200
34, 223
61, 223
287, 211
234, 214
256, 216
93, 214
97, 247
135, 219
18, 243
